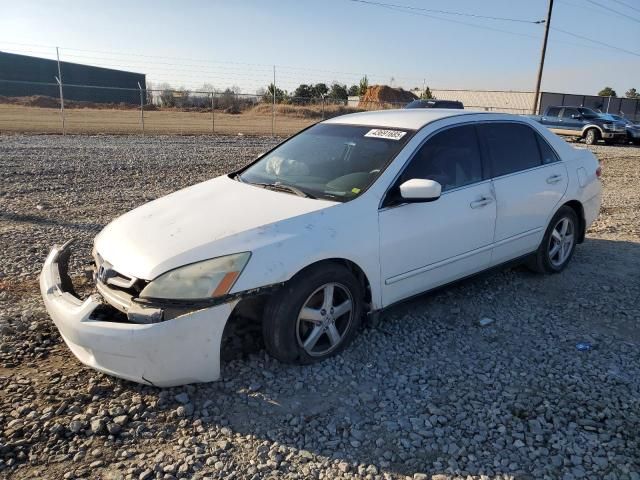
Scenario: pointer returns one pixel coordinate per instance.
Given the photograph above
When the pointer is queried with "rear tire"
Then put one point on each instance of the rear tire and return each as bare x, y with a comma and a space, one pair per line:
314, 316
558, 244
591, 136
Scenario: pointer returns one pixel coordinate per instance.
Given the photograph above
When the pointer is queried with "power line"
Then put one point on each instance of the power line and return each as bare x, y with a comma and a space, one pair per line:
609, 9
596, 41
626, 5
448, 12
402, 10
450, 20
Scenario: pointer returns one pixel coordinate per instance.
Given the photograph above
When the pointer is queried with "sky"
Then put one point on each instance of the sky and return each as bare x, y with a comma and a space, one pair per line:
189, 43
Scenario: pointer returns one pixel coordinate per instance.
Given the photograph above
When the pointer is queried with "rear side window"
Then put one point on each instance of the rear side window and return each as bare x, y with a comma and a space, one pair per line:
451, 158
511, 147
546, 152
553, 112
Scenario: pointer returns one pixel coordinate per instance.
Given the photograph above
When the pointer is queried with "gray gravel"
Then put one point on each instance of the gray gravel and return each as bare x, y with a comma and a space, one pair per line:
479, 380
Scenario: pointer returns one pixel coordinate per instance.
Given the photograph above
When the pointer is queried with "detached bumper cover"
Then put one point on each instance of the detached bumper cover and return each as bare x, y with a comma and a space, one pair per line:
175, 352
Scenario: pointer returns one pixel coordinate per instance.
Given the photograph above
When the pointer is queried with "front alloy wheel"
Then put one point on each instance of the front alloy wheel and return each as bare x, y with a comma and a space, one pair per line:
314, 315
324, 319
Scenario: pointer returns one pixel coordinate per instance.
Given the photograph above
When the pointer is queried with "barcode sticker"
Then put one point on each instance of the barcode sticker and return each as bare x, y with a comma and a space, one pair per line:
388, 134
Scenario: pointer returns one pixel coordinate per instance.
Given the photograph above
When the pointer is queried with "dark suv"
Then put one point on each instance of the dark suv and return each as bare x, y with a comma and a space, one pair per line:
435, 104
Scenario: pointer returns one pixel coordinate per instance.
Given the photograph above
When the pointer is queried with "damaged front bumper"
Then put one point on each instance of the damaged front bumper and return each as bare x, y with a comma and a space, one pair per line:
185, 349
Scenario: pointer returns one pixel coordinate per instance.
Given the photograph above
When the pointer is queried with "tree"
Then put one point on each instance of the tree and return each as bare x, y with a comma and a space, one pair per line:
320, 89
426, 95
607, 92
279, 93
167, 98
632, 93
364, 85
338, 91
206, 87
303, 91
354, 90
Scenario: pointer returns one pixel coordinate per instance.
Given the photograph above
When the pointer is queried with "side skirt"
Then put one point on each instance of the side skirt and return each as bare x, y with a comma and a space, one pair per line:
374, 317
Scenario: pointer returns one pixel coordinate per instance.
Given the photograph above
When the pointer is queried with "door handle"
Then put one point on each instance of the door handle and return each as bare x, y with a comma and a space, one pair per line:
484, 201
554, 179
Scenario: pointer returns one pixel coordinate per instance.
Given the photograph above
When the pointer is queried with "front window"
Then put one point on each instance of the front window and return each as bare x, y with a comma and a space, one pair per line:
588, 113
336, 162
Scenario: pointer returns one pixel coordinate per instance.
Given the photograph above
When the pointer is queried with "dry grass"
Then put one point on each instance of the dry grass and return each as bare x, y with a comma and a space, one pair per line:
257, 121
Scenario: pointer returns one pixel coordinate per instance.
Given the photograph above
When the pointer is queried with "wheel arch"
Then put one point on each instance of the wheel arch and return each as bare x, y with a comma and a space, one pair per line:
577, 207
251, 306
592, 126
358, 272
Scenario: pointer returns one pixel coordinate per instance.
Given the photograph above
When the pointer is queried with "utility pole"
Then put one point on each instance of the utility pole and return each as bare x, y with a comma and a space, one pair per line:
547, 23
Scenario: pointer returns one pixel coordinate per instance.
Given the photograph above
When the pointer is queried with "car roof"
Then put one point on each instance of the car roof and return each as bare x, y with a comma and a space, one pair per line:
412, 119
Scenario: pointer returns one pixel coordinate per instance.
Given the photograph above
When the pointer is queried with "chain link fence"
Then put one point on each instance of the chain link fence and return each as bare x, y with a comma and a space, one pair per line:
37, 107
49, 108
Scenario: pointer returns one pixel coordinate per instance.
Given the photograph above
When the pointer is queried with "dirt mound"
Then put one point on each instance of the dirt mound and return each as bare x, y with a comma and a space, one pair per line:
383, 95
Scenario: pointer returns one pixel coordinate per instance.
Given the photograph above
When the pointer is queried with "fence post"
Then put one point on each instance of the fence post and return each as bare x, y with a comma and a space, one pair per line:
273, 107
141, 108
213, 116
59, 80
322, 95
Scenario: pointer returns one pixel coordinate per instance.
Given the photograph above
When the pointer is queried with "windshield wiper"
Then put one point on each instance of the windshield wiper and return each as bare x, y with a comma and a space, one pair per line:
282, 187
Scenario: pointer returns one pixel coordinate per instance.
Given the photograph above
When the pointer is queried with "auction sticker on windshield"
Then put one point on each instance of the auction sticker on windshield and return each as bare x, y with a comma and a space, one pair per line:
388, 134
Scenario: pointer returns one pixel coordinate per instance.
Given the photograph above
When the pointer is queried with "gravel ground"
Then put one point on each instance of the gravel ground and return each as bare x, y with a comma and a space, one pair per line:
428, 394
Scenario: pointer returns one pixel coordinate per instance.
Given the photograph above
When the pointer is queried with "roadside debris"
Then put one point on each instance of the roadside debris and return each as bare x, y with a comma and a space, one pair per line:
584, 346
485, 321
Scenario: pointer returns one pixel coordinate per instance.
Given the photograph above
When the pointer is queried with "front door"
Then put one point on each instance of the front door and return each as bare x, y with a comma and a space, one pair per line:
424, 245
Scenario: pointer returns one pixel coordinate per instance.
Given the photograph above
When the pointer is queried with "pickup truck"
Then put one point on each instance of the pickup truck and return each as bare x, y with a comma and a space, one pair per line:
581, 122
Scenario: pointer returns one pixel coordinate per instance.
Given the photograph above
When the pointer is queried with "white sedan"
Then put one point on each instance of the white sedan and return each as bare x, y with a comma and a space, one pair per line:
340, 221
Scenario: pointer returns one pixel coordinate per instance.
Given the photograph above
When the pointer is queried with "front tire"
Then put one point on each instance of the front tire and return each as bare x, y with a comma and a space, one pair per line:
314, 316
558, 244
591, 137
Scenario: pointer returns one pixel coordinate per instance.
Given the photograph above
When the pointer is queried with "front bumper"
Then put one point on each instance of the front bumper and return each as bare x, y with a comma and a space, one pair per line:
183, 350
610, 135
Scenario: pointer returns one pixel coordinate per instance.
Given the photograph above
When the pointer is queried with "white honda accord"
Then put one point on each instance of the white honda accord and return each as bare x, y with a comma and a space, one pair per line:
338, 222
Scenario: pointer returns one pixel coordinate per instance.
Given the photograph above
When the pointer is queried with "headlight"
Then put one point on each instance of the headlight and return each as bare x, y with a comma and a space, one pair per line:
206, 279
608, 126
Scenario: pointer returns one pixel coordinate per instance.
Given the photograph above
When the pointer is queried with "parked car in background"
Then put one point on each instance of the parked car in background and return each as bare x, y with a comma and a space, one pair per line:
342, 220
581, 122
633, 129
435, 104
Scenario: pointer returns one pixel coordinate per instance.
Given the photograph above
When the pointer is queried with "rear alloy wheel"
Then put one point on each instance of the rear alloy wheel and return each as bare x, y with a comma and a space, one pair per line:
558, 244
591, 137
315, 315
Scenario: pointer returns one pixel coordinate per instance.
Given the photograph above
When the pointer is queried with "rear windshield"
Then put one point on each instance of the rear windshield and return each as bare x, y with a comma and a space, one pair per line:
336, 162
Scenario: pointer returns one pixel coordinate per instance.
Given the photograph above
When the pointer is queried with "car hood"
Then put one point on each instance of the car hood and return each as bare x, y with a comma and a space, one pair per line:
196, 223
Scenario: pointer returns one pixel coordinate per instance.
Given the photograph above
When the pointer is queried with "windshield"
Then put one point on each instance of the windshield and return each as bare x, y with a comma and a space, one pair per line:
418, 104
336, 162
588, 113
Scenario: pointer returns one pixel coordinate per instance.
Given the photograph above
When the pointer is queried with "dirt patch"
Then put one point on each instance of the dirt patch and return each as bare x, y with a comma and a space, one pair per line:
383, 94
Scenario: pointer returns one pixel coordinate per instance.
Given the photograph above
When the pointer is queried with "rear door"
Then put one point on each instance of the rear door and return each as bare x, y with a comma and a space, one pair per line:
528, 180
552, 117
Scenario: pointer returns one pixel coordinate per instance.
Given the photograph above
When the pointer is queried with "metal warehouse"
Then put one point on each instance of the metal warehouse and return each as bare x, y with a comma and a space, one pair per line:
22, 76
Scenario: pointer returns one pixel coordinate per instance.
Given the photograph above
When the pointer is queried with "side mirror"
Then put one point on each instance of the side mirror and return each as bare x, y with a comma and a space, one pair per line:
420, 190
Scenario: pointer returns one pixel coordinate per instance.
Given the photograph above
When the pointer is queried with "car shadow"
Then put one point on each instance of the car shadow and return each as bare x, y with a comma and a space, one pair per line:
425, 425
